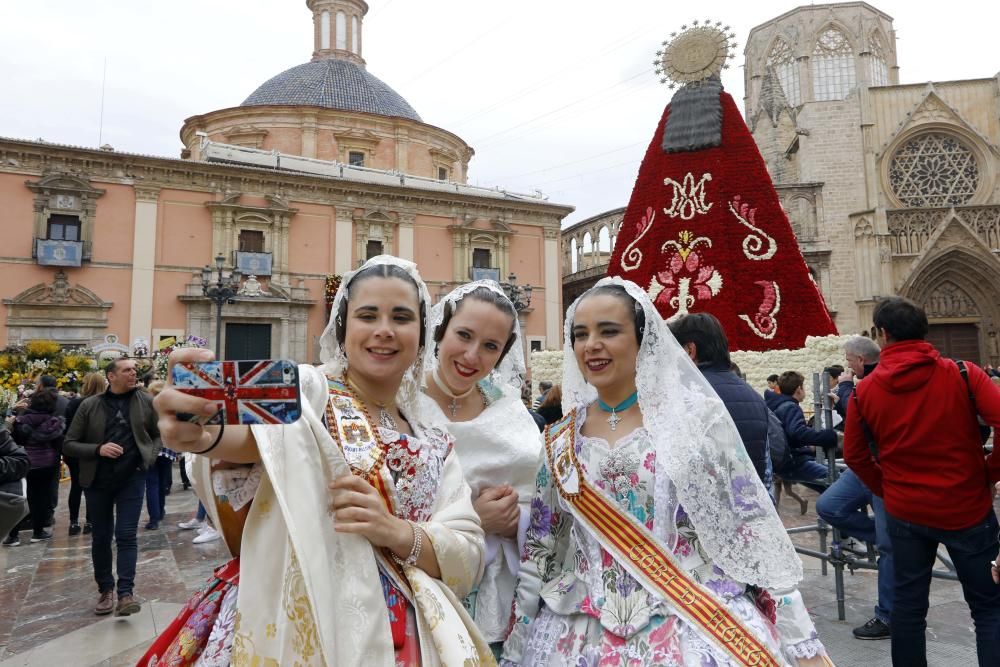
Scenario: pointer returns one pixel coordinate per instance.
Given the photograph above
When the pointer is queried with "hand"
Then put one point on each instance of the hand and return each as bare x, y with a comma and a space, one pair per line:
995, 572
847, 375
358, 508
498, 510
180, 435
110, 450
834, 397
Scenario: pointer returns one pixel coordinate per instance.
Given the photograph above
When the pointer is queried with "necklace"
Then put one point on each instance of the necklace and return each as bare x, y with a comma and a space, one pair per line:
614, 419
454, 405
385, 420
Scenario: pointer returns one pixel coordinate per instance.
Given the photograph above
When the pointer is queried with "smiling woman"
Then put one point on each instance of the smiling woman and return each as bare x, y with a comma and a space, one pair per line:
473, 390
364, 581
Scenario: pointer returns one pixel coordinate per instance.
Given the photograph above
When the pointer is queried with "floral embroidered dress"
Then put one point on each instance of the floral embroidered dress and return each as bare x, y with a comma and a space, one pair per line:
576, 606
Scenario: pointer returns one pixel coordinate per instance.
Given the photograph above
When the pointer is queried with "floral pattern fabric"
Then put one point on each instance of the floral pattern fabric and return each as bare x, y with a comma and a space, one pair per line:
595, 614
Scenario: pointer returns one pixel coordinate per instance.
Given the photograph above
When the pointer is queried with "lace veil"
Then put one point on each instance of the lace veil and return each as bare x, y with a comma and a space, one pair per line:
333, 359
707, 469
510, 371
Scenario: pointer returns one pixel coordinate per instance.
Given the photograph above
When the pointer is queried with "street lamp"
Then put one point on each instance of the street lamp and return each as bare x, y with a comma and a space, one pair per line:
519, 295
220, 291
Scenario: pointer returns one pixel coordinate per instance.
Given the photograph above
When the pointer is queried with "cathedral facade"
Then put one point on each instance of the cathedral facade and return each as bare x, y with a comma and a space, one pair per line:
891, 188
321, 167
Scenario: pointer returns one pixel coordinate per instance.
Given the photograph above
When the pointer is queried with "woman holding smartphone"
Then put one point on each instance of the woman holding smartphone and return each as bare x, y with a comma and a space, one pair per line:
473, 388
361, 538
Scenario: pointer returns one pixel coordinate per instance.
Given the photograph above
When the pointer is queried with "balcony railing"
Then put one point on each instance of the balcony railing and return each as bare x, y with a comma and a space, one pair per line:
253, 263
51, 252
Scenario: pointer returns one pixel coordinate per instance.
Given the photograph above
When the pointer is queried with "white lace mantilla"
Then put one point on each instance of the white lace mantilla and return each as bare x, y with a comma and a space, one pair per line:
699, 453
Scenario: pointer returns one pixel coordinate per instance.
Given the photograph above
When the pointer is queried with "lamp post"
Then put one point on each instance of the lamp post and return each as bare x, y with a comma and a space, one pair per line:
221, 291
519, 295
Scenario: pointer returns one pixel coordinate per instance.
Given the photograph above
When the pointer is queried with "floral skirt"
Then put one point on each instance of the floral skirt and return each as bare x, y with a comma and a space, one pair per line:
202, 633
579, 640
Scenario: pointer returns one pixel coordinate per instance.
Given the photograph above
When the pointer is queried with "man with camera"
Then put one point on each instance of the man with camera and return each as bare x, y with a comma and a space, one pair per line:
116, 438
912, 436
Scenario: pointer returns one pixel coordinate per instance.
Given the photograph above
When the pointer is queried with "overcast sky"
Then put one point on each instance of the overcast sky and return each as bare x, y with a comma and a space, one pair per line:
557, 95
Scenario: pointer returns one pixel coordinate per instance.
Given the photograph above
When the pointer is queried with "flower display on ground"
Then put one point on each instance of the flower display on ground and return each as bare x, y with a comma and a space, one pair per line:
21, 364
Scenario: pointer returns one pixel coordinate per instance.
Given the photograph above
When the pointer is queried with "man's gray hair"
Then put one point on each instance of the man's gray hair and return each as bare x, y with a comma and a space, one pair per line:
863, 347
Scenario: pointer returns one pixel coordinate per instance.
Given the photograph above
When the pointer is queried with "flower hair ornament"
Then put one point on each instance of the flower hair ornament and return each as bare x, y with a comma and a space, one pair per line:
332, 357
511, 369
701, 463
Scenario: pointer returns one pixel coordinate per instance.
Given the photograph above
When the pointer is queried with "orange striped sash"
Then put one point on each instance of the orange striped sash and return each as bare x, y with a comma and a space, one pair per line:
632, 545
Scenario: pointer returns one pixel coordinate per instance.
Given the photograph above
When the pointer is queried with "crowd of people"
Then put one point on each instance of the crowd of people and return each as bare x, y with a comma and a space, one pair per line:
415, 516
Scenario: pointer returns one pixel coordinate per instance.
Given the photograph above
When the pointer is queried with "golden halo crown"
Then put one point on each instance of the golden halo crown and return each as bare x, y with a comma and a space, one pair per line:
699, 51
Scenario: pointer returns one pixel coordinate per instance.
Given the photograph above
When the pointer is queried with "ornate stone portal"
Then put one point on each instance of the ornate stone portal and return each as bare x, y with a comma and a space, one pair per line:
67, 314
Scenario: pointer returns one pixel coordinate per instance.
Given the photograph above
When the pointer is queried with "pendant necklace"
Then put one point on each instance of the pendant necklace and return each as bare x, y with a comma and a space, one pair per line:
454, 405
385, 420
614, 419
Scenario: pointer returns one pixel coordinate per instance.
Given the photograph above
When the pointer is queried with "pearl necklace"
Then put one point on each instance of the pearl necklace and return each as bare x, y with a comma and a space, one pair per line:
454, 405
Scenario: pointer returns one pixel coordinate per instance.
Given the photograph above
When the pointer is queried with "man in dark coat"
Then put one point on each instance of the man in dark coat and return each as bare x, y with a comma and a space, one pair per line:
14, 465
701, 335
116, 438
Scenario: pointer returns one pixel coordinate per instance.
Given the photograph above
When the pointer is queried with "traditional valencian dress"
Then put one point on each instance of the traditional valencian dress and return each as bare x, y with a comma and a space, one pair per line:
639, 552
595, 612
500, 445
309, 595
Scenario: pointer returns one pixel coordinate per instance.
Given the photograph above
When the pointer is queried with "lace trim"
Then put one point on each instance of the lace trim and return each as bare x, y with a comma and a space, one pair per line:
810, 648
510, 371
699, 456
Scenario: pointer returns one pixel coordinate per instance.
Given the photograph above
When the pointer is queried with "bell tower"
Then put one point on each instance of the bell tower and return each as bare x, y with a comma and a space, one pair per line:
337, 29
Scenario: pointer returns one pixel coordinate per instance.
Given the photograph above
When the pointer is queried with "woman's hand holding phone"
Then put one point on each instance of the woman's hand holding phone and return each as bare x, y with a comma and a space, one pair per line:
180, 434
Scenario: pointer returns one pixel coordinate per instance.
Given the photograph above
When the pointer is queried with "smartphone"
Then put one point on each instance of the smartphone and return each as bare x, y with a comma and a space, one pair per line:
247, 392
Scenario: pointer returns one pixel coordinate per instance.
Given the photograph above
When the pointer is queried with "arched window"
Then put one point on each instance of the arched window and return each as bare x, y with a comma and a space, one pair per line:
934, 169
832, 66
787, 71
573, 255
324, 30
354, 34
877, 63
604, 240
342, 31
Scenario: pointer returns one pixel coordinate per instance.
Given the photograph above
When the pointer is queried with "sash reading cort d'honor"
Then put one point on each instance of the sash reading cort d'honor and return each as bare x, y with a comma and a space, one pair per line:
632, 545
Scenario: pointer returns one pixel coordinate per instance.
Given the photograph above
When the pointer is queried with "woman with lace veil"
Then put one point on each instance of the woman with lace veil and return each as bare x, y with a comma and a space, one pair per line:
651, 541
472, 387
361, 539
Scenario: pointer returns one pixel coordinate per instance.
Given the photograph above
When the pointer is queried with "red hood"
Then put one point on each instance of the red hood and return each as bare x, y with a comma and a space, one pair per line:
906, 366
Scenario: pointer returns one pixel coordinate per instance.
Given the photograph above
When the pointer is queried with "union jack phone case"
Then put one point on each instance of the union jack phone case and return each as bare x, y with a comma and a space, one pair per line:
247, 392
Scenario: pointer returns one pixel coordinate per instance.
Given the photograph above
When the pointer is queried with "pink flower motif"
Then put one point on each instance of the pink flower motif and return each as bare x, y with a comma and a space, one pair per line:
587, 607
650, 462
683, 547
611, 650
606, 559
665, 644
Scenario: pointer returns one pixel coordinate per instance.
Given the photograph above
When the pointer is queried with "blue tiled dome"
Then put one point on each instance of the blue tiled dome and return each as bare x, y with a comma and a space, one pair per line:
334, 84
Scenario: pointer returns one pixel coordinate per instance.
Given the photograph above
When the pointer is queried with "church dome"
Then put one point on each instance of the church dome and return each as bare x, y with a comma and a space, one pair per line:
332, 83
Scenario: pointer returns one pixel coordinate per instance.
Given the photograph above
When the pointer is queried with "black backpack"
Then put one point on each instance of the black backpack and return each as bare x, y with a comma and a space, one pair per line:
777, 443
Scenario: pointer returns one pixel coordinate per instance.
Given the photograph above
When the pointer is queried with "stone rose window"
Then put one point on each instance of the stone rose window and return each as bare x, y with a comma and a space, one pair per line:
934, 170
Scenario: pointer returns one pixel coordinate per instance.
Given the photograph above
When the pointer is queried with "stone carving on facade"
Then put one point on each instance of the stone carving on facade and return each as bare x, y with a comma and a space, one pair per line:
909, 230
70, 314
252, 287
950, 300
65, 192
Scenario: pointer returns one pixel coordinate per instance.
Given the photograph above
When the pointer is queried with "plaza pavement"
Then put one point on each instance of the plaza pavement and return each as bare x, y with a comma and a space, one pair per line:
47, 594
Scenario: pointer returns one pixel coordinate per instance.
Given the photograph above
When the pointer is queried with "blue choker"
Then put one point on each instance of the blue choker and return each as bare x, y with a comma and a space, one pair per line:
614, 419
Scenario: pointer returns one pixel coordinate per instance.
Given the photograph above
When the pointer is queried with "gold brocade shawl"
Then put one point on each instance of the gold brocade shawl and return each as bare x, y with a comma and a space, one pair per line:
312, 596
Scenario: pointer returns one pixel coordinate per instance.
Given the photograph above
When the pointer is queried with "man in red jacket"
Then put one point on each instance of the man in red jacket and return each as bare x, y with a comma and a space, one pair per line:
931, 472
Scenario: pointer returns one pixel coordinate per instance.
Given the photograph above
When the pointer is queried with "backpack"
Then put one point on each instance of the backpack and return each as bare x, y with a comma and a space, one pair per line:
984, 429
777, 443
